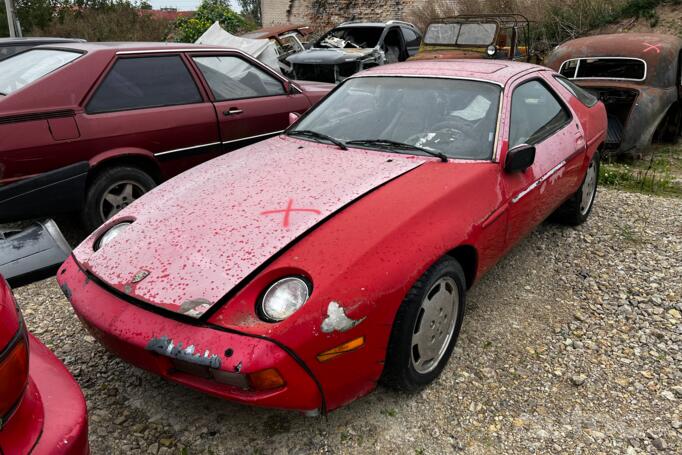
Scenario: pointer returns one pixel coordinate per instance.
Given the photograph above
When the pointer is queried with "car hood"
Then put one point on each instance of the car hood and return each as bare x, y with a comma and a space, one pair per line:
199, 235
330, 56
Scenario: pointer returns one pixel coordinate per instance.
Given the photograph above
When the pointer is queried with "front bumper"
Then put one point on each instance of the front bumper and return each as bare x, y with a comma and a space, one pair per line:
52, 417
139, 335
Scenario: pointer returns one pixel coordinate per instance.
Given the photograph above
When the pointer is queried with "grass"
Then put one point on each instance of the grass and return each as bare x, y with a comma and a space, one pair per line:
659, 172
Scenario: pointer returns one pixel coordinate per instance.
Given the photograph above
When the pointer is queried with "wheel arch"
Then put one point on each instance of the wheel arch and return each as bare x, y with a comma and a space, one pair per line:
467, 256
138, 158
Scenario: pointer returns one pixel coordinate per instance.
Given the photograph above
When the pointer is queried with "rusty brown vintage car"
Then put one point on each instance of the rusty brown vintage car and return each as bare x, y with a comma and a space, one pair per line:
499, 36
637, 76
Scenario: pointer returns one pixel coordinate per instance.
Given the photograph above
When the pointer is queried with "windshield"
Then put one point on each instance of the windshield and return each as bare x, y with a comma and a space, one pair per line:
461, 34
455, 117
346, 37
22, 69
604, 68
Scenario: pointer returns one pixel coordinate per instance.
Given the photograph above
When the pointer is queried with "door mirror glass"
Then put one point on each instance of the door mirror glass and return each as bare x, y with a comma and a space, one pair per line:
293, 117
519, 158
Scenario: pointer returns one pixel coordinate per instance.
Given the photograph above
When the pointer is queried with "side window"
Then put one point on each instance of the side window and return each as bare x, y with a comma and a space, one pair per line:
412, 39
535, 115
141, 82
583, 95
232, 78
392, 46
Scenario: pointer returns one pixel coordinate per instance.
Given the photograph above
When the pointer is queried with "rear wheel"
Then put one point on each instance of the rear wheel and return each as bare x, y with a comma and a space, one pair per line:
111, 191
426, 327
576, 210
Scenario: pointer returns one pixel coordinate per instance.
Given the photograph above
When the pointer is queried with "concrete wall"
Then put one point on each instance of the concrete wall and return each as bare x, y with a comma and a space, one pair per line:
322, 13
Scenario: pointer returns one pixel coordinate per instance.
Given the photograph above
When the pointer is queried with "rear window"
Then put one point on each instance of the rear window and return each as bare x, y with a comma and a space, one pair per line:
22, 69
604, 68
583, 95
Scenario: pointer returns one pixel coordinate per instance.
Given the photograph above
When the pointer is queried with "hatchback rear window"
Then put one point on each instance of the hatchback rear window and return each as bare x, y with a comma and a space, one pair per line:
22, 69
604, 68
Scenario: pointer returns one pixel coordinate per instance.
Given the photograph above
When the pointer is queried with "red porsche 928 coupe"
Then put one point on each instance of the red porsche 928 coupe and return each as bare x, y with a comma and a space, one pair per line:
300, 271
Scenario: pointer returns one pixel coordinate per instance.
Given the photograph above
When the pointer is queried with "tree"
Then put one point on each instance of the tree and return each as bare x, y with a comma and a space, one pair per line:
251, 9
188, 30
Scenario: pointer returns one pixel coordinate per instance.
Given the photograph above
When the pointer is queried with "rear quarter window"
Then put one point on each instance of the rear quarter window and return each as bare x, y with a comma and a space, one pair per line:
22, 69
583, 95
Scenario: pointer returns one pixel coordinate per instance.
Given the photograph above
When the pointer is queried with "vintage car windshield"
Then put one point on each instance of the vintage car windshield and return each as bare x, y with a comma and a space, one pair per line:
22, 69
458, 34
604, 68
455, 117
349, 37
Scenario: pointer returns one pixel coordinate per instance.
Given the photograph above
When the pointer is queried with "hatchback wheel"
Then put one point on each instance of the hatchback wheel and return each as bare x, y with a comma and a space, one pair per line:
576, 210
426, 327
111, 191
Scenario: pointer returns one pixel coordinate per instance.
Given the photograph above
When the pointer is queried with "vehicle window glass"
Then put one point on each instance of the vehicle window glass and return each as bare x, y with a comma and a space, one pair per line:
411, 37
349, 37
8, 51
476, 34
289, 44
521, 42
604, 68
232, 78
143, 82
455, 117
22, 69
535, 115
441, 34
583, 95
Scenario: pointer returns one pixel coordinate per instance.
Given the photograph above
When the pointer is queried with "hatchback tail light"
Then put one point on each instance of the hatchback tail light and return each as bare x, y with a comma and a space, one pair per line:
13, 374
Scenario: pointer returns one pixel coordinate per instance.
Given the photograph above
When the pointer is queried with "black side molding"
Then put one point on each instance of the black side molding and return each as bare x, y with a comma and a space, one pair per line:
58, 191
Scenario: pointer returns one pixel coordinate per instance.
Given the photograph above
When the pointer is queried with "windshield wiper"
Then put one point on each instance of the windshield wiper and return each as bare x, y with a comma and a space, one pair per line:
387, 143
315, 135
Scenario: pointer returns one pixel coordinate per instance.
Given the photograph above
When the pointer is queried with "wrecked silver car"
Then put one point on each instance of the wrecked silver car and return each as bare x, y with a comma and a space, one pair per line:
354, 46
637, 76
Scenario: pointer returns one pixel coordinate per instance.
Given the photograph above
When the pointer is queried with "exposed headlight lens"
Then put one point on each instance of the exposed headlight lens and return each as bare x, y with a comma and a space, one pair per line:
491, 50
284, 297
111, 234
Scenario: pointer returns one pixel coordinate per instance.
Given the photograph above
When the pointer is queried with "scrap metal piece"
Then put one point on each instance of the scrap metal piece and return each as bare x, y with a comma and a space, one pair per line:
337, 320
32, 253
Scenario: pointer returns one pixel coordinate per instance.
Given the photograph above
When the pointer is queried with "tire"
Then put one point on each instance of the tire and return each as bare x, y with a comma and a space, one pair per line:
126, 183
408, 368
576, 210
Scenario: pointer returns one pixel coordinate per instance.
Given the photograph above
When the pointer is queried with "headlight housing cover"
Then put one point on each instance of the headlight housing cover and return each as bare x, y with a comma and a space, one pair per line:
283, 298
111, 234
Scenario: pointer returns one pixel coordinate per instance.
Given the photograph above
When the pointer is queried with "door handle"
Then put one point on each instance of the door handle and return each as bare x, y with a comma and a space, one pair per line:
233, 111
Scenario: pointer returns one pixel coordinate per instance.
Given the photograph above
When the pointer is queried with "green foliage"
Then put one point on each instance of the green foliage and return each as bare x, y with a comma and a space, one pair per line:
188, 30
659, 173
251, 9
36, 13
109, 21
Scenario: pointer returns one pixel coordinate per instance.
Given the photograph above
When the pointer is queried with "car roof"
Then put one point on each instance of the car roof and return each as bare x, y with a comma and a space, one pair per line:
497, 71
6, 41
132, 46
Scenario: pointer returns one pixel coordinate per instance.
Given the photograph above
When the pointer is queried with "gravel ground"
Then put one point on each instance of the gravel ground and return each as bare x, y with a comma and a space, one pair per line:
572, 344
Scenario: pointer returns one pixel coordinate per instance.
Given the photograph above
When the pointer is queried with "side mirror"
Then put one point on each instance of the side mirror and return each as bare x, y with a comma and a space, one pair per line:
293, 117
519, 158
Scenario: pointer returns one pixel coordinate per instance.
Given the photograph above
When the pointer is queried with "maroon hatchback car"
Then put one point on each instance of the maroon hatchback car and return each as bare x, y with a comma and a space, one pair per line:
90, 127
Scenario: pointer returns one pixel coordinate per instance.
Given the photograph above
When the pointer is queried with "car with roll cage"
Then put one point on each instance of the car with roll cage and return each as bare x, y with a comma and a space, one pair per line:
90, 127
301, 271
638, 77
495, 36
353, 46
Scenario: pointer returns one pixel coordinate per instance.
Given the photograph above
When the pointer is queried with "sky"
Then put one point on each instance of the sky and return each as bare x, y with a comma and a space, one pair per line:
184, 5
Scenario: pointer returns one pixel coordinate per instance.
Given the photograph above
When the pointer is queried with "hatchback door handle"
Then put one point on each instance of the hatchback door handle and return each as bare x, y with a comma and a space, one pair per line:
233, 111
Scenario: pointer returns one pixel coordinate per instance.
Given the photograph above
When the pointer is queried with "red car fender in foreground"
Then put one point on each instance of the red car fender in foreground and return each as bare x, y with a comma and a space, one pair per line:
48, 414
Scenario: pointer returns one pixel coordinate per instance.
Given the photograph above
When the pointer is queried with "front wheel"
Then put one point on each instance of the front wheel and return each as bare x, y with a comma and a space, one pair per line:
426, 327
576, 210
111, 191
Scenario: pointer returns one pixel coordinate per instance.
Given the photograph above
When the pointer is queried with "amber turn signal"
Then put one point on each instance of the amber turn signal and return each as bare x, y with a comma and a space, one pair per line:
266, 379
349, 346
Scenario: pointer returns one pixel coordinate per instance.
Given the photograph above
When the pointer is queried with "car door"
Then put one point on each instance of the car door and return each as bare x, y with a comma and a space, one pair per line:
412, 41
149, 104
250, 100
538, 117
